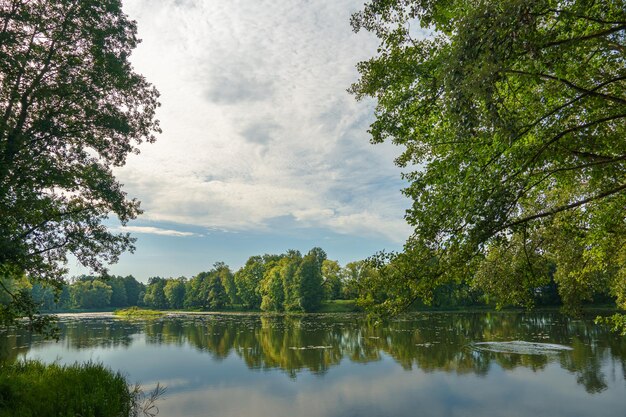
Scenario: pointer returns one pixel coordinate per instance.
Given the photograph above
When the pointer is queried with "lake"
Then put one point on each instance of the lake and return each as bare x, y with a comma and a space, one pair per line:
427, 364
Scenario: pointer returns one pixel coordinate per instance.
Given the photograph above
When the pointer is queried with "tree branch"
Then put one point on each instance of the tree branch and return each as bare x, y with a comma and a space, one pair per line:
559, 209
585, 38
578, 88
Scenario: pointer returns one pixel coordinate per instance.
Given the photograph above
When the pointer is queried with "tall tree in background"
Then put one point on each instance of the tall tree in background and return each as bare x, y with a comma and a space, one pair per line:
248, 281
310, 279
289, 276
71, 108
155, 293
174, 291
331, 275
272, 292
512, 115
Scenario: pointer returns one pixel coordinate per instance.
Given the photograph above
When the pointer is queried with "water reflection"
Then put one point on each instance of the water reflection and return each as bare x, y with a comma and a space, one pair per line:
316, 343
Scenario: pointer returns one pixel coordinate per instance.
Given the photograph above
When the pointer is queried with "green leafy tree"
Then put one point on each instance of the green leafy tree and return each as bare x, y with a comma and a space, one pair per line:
133, 290
511, 115
119, 297
71, 108
272, 292
228, 281
217, 297
90, 293
174, 291
155, 294
44, 296
331, 276
513, 271
194, 292
354, 275
140, 299
207, 290
310, 279
291, 283
248, 280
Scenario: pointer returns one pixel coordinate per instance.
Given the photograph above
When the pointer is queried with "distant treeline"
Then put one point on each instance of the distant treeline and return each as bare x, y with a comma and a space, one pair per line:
287, 282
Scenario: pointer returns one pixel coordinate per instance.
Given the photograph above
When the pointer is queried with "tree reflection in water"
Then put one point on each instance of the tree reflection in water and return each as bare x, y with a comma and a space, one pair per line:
430, 342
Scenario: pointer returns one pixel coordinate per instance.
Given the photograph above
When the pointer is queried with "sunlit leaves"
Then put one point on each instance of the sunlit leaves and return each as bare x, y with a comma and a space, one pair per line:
511, 116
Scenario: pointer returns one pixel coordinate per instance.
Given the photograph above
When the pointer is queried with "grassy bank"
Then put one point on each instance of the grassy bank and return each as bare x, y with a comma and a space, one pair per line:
34, 389
139, 313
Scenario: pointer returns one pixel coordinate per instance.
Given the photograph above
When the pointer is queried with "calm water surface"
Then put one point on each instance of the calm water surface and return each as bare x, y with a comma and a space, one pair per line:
341, 365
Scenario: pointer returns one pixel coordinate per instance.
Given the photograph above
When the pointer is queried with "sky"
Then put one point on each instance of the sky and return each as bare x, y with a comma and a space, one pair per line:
262, 149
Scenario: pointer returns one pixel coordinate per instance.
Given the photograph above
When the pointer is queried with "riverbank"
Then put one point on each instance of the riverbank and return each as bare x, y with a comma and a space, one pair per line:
332, 306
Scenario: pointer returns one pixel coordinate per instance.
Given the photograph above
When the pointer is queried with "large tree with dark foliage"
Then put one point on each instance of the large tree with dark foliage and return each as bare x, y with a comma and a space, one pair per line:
512, 117
71, 109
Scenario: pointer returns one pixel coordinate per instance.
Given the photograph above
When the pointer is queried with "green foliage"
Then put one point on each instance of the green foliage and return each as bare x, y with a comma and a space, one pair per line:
155, 294
511, 118
272, 292
248, 280
617, 322
228, 281
16, 301
32, 389
354, 276
331, 275
289, 275
513, 270
71, 108
217, 297
90, 293
207, 290
119, 298
137, 313
133, 289
310, 276
174, 291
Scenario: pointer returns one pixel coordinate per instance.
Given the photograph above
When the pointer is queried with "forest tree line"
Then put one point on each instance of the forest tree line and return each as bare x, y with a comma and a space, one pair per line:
289, 282
285, 282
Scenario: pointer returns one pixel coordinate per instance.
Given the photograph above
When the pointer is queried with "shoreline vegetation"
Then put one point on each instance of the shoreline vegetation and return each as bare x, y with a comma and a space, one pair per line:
334, 307
285, 283
136, 312
31, 388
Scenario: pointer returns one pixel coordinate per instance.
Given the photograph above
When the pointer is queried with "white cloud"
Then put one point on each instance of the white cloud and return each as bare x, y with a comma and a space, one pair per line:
156, 231
257, 122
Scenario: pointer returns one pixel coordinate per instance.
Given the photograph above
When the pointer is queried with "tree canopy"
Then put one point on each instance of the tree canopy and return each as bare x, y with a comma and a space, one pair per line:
71, 108
511, 115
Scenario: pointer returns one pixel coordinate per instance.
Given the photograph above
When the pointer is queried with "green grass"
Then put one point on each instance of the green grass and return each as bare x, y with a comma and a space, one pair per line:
34, 389
137, 313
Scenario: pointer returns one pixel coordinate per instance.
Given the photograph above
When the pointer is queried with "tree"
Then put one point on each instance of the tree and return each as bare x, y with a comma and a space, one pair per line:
331, 275
217, 297
90, 293
290, 280
174, 291
119, 298
228, 281
133, 290
71, 108
155, 295
354, 276
511, 115
310, 279
272, 292
248, 281
194, 292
